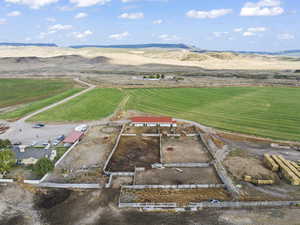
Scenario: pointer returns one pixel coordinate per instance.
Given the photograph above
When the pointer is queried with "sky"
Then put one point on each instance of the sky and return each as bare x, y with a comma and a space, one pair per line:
252, 25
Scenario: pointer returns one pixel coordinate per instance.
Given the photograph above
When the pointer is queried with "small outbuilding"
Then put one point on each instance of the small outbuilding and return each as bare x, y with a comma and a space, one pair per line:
148, 121
73, 137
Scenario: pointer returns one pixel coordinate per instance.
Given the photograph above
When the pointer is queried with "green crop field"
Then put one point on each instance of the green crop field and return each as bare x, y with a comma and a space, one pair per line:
93, 105
34, 106
263, 111
20, 91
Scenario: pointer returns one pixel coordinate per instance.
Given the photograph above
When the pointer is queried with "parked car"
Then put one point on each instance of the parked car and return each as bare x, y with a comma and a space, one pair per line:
38, 125
67, 145
81, 128
60, 138
214, 201
56, 142
17, 143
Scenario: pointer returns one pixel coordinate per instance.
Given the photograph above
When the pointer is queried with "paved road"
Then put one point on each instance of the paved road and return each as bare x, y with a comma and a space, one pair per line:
22, 131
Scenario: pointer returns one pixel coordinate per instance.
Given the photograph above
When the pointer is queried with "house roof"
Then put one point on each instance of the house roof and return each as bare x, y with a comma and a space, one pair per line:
150, 119
73, 137
31, 152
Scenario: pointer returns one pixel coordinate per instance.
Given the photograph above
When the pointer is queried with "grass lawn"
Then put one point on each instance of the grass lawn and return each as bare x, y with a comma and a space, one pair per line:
20, 91
262, 111
94, 105
31, 107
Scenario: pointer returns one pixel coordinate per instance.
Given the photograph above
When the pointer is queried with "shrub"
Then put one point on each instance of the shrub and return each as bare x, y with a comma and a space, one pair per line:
43, 166
7, 160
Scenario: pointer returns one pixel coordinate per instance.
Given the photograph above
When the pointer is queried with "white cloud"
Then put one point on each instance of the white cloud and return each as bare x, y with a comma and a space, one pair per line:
14, 13
249, 34
132, 16
167, 37
286, 36
34, 4
58, 27
158, 21
87, 3
256, 29
84, 34
220, 34
262, 8
2, 21
238, 30
119, 36
81, 15
212, 14
51, 20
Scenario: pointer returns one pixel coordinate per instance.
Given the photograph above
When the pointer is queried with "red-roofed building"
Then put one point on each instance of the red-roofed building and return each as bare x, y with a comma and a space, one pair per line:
73, 137
148, 121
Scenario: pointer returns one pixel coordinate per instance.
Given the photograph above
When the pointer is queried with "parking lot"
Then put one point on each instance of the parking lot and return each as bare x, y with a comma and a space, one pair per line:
27, 135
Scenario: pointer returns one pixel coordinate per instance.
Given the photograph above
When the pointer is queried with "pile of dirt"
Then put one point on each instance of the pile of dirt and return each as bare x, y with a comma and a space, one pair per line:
238, 167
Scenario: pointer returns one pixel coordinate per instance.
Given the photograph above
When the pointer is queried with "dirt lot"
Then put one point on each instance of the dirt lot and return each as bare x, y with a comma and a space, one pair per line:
183, 150
140, 130
135, 152
182, 196
84, 163
171, 176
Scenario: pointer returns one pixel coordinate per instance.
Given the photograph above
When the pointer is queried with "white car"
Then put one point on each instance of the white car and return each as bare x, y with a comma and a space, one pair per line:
81, 128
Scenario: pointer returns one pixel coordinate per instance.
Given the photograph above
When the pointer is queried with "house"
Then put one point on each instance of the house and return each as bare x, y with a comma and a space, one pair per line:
30, 155
73, 137
153, 121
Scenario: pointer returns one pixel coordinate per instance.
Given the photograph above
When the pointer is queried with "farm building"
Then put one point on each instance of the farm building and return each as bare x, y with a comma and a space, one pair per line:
73, 137
153, 121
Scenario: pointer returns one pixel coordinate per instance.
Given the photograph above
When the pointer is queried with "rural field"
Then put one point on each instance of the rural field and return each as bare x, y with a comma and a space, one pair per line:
20, 91
262, 111
29, 95
93, 105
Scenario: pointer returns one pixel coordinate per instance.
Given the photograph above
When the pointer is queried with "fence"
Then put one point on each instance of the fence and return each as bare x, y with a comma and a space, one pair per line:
243, 204
181, 165
82, 186
113, 150
182, 186
147, 205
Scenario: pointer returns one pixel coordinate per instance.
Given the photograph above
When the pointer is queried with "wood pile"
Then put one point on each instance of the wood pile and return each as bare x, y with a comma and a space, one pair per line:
289, 170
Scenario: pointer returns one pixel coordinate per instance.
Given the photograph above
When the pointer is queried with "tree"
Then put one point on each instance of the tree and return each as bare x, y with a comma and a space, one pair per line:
5, 143
7, 160
43, 166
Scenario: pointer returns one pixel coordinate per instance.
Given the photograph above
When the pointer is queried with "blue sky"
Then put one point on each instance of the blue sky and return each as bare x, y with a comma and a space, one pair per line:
269, 25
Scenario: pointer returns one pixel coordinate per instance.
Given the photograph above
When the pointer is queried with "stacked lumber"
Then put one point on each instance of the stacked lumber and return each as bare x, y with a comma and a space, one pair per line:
271, 163
257, 181
288, 171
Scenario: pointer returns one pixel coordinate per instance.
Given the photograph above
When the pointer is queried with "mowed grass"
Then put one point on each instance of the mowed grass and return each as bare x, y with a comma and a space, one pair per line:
34, 106
262, 111
20, 91
93, 105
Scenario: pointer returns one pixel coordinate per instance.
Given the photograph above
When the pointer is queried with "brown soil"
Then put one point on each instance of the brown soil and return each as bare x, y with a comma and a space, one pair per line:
182, 197
171, 176
238, 167
185, 150
135, 152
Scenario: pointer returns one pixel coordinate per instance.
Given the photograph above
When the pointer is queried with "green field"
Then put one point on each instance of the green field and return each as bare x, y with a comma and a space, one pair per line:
20, 91
263, 111
93, 105
34, 106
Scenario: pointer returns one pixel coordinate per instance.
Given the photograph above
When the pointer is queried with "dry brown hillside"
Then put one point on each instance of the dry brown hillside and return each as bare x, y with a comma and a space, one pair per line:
210, 60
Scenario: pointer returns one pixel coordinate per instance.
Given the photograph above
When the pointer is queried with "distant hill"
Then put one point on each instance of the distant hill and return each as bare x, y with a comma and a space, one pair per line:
182, 46
287, 52
28, 44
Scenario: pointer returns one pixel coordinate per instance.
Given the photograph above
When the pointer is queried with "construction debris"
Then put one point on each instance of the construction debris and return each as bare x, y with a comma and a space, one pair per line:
3, 128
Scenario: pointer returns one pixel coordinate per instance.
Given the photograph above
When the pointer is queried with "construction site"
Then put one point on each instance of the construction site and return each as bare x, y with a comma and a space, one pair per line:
159, 166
